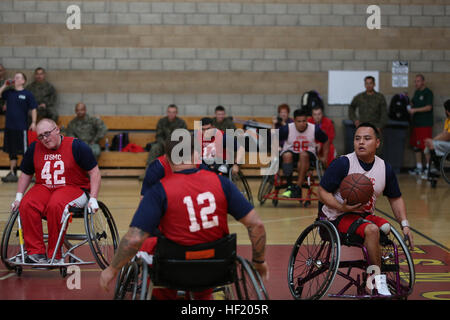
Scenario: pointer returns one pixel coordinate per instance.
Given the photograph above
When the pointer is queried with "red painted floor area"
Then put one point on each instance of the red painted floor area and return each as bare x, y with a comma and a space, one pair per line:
432, 278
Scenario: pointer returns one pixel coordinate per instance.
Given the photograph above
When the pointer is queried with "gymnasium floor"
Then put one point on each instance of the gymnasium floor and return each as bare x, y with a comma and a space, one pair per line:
428, 213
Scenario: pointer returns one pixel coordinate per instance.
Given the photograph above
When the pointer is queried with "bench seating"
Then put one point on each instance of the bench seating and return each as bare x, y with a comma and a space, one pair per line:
141, 130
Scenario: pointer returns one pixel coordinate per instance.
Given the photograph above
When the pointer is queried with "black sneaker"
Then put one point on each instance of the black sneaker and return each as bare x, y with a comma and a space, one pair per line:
36, 258
10, 177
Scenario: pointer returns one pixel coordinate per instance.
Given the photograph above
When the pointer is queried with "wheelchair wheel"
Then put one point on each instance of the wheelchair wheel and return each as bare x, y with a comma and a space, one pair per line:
132, 281
399, 269
102, 234
241, 183
259, 280
10, 246
126, 289
246, 285
445, 167
314, 261
265, 188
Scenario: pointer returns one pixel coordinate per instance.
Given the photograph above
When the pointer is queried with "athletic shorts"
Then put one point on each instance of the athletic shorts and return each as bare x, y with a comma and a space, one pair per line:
441, 147
418, 136
15, 142
296, 156
344, 224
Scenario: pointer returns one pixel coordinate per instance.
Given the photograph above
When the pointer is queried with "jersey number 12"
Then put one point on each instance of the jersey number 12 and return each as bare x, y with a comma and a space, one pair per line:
204, 212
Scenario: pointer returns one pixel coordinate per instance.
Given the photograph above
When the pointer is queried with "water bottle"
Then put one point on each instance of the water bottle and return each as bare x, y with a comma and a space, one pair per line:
106, 144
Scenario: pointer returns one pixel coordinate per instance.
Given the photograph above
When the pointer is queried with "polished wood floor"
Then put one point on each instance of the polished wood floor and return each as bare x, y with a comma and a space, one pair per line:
428, 210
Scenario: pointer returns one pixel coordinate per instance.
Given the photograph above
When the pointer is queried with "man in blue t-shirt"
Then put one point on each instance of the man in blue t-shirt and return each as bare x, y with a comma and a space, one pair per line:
18, 103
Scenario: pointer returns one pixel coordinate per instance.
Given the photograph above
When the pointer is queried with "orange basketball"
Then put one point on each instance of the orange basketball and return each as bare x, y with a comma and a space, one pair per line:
356, 188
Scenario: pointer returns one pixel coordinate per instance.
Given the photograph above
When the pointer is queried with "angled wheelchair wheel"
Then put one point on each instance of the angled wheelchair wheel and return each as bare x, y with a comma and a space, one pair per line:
10, 246
102, 234
398, 265
445, 167
247, 286
126, 287
265, 188
259, 280
241, 183
132, 281
314, 261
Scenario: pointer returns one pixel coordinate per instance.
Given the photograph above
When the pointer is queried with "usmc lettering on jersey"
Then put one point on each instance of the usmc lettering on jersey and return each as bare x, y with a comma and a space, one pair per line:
50, 157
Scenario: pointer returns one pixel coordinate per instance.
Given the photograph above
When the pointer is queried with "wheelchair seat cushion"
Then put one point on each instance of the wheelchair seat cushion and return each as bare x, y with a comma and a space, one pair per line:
194, 267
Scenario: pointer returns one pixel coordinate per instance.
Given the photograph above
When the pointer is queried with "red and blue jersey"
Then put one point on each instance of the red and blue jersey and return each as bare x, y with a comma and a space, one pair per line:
191, 207
67, 165
156, 170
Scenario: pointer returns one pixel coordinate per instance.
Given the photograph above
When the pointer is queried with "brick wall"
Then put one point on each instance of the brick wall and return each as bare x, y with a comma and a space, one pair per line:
136, 57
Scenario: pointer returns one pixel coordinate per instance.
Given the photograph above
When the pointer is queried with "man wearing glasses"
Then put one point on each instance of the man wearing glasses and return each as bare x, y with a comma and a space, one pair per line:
18, 103
64, 166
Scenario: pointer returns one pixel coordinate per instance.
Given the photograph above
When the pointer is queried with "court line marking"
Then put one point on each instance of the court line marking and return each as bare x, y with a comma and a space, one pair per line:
8, 276
416, 231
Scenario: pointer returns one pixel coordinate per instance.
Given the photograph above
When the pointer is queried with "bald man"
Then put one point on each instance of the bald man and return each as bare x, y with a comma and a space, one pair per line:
63, 166
86, 128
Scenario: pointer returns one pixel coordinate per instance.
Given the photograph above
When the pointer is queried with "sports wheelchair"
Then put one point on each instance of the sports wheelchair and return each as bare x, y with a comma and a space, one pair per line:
317, 257
271, 184
238, 179
189, 269
101, 235
443, 164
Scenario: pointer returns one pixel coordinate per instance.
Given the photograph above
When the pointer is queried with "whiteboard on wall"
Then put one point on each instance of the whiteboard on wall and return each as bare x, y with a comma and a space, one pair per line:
343, 85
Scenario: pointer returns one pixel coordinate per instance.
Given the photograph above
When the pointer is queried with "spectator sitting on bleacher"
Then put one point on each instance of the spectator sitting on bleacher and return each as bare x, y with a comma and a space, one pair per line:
164, 129
45, 95
327, 126
282, 118
221, 121
440, 144
86, 128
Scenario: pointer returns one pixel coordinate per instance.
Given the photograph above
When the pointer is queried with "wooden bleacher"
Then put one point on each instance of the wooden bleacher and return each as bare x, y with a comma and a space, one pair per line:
141, 130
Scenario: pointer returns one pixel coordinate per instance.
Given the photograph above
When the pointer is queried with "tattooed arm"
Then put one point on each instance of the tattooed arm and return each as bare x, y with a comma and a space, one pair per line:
128, 247
257, 236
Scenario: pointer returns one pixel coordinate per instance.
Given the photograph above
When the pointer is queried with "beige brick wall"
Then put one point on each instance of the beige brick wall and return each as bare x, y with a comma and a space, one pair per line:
135, 56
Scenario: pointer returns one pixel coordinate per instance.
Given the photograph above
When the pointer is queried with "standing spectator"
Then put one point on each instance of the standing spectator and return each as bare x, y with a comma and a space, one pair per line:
371, 106
221, 121
86, 128
421, 112
2, 81
164, 129
18, 103
327, 126
45, 95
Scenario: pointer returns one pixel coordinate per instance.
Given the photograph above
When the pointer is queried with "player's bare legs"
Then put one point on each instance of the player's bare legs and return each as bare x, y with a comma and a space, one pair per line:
302, 166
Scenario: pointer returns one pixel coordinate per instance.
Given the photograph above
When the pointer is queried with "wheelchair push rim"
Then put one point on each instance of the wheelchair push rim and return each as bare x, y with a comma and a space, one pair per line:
103, 236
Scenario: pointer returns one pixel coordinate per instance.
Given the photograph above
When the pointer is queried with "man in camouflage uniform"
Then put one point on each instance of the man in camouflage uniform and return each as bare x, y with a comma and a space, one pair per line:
221, 121
45, 95
371, 107
164, 129
86, 128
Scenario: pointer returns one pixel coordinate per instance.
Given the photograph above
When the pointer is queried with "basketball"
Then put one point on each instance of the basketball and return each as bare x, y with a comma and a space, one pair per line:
356, 188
